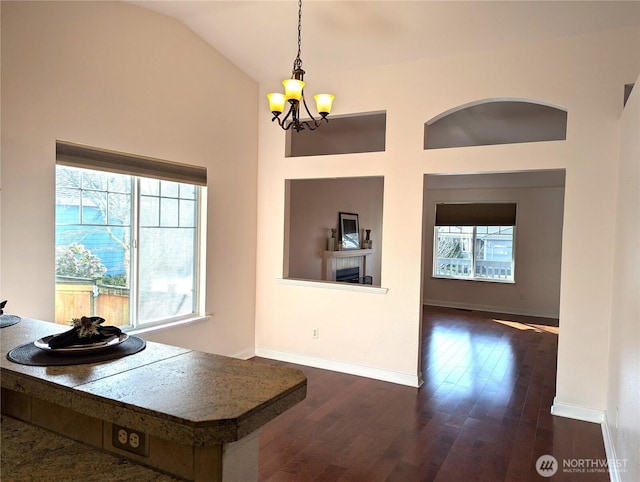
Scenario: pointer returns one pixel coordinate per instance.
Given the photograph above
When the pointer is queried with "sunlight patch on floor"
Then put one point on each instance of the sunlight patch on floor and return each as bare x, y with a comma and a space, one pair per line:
529, 326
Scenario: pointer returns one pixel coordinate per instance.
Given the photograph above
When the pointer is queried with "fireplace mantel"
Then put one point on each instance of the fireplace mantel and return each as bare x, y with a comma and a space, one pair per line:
348, 258
348, 253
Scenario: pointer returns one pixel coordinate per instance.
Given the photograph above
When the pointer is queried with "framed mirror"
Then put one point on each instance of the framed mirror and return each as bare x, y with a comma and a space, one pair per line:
349, 230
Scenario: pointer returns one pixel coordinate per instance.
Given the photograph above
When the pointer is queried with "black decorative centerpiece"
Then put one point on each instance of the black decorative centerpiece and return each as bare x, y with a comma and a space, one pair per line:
5, 318
86, 331
87, 342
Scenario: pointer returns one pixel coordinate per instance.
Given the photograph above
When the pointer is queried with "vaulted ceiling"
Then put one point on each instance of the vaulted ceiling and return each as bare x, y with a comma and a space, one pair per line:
260, 36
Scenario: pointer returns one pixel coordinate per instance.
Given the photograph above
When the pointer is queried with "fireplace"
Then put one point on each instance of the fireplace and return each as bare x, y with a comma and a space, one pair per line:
348, 266
352, 275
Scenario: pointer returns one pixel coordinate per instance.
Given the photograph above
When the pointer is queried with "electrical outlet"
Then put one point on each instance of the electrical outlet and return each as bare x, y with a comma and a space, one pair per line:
130, 440
316, 333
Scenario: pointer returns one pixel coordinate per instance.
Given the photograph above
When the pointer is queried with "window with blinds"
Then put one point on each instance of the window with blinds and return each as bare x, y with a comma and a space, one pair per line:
127, 237
475, 241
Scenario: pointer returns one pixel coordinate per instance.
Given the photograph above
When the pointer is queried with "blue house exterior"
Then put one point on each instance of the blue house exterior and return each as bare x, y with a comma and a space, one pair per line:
93, 234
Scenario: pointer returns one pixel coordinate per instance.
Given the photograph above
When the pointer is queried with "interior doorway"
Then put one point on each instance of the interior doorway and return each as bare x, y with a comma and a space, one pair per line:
536, 249
534, 289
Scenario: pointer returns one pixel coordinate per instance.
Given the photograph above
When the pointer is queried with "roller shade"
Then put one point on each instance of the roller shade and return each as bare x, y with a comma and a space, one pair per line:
77, 155
475, 214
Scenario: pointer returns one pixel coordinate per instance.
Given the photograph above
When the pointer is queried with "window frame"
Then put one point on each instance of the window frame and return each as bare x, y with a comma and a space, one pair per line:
84, 157
198, 264
473, 242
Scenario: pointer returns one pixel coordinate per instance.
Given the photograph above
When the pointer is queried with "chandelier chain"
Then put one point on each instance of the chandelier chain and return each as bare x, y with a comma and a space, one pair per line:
297, 63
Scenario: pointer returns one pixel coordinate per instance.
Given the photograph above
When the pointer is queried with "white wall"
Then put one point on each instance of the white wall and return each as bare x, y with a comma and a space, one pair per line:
537, 248
584, 74
624, 345
116, 76
314, 208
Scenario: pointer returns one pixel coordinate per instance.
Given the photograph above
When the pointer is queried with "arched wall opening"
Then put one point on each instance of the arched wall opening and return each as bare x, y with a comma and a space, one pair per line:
496, 121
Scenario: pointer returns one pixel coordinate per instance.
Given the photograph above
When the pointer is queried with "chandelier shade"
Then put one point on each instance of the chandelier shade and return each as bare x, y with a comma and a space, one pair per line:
293, 89
276, 102
294, 97
324, 103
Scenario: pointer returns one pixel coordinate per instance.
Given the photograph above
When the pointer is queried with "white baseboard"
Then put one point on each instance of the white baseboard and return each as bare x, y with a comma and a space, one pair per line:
585, 414
244, 354
610, 451
342, 367
490, 308
577, 412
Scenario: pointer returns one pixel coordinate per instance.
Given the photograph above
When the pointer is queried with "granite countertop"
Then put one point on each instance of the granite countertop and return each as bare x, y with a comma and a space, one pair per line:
178, 394
32, 453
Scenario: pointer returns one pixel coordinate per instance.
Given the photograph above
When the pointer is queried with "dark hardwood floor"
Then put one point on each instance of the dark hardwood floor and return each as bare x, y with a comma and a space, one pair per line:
483, 413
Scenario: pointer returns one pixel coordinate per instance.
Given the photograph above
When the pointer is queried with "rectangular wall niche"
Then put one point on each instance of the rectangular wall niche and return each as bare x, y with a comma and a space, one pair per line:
311, 212
349, 134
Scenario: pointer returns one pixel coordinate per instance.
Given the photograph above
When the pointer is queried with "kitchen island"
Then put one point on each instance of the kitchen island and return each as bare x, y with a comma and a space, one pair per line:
191, 414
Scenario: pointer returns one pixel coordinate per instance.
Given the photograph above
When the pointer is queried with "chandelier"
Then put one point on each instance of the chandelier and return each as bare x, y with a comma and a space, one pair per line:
294, 94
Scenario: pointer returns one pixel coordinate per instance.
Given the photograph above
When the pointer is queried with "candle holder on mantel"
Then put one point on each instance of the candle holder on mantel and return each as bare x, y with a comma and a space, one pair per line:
366, 244
331, 240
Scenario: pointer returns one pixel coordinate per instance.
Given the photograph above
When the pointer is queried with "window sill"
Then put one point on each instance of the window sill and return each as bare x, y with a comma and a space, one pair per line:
169, 325
332, 285
482, 280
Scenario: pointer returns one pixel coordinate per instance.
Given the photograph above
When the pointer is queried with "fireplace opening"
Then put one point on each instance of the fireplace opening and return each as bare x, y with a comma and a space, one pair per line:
352, 275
